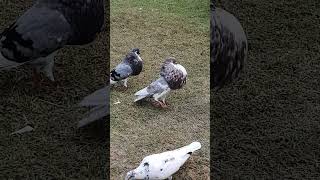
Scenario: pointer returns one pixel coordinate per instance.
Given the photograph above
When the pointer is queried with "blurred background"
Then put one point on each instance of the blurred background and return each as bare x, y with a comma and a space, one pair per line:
55, 149
266, 126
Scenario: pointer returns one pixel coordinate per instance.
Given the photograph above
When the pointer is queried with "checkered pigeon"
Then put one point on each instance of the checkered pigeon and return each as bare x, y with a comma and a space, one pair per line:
131, 65
173, 76
47, 26
228, 47
163, 165
99, 101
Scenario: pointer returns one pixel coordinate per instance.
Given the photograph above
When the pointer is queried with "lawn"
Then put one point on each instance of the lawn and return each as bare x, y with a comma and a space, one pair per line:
266, 126
161, 29
55, 149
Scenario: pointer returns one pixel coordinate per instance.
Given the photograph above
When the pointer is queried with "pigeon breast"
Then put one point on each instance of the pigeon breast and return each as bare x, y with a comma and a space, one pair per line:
37, 33
173, 75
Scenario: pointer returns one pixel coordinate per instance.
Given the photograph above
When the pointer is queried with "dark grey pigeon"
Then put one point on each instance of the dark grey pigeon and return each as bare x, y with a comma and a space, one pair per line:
99, 102
47, 26
228, 47
131, 65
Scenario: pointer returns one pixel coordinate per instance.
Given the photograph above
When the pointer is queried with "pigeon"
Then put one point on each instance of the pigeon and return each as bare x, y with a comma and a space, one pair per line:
163, 165
173, 76
131, 65
36, 36
99, 101
228, 47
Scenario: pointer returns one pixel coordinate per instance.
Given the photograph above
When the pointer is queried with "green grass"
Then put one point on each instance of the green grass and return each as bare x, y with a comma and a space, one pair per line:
140, 130
195, 12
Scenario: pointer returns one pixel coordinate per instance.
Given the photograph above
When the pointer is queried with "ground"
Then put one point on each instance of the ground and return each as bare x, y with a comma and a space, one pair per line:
266, 126
55, 149
161, 29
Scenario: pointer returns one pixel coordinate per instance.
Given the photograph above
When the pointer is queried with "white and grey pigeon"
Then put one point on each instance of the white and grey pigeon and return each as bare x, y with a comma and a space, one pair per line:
131, 65
99, 102
228, 47
173, 76
47, 26
163, 165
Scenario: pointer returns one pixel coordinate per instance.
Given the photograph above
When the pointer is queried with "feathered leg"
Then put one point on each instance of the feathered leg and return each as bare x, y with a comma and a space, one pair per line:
163, 99
160, 103
47, 68
35, 78
165, 105
157, 104
123, 85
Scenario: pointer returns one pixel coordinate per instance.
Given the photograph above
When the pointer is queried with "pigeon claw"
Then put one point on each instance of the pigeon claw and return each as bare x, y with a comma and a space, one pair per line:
160, 104
35, 79
156, 104
163, 104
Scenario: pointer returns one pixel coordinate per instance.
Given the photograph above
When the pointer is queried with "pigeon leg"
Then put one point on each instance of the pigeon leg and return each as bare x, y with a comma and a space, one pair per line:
156, 103
35, 78
163, 104
122, 85
125, 83
48, 65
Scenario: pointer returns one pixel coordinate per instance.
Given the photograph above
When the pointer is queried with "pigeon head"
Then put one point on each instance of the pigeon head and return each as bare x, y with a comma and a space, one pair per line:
134, 60
135, 174
134, 54
171, 60
140, 172
130, 176
136, 50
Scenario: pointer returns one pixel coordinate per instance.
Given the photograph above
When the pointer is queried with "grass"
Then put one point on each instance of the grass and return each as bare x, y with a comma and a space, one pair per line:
266, 126
55, 149
139, 130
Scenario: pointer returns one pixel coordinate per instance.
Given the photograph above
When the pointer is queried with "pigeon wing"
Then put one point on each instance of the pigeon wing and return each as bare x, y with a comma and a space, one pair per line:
37, 33
160, 166
122, 71
157, 86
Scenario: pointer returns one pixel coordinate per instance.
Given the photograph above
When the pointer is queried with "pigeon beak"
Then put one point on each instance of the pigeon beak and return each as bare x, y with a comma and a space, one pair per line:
138, 56
130, 176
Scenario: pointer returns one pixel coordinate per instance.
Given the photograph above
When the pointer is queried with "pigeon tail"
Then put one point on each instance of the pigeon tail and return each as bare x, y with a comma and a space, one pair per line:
7, 64
189, 149
93, 115
99, 100
99, 97
143, 93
